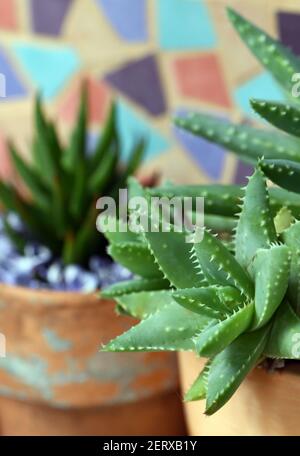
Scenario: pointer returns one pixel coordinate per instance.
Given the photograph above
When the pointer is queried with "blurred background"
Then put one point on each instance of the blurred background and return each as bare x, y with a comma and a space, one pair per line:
155, 56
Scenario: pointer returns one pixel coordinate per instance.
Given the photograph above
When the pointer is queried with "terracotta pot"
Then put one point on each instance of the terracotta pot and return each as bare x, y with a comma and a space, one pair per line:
266, 404
54, 381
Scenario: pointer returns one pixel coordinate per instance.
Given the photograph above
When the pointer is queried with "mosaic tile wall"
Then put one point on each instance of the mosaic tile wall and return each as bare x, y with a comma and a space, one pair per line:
156, 56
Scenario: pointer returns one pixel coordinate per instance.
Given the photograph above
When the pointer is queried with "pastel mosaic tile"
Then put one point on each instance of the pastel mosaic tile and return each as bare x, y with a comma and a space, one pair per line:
11, 83
48, 15
8, 14
127, 17
49, 68
201, 77
184, 24
140, 81
154, 55
98, 98
133, 127
289, 29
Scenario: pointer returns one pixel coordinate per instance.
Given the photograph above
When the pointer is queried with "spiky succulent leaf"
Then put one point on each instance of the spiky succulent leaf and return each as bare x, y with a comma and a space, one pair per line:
134, 286
255, 228
225, 199
285, 173
199, 388
171, 328
271, 269
229, 368
275, 57
143, 304
214, 301
136, 257
281, 115
172, 253
248, 142
219, 335
284, 340
219, 266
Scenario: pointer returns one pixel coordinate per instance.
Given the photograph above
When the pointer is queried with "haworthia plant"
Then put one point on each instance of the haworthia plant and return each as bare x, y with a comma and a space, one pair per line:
233, 307
64, 183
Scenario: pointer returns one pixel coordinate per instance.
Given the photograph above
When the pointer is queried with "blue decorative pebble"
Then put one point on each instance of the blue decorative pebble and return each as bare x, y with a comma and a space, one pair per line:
37, 268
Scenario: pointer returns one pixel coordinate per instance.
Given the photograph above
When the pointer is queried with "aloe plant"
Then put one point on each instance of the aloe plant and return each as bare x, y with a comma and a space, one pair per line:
235, 303
64, 183
233, 308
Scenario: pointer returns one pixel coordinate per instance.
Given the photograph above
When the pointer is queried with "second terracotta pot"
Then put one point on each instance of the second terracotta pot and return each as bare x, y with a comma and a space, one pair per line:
55, 381
266, 404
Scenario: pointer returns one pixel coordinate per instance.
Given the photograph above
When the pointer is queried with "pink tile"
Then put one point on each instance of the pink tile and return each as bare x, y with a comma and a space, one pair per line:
98, 99
8, 18
201, 78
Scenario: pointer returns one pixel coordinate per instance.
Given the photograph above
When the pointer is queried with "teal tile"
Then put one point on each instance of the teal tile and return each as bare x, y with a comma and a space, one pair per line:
184, 24
262, 86
49, 68
132, 128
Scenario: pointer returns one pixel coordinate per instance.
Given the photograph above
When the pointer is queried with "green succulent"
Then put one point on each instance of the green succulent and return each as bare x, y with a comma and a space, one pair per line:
280, 148
235, 302
233, 308
64, 183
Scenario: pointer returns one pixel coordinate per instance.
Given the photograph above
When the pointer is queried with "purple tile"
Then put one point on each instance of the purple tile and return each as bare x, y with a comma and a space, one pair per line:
10, 83
242, 171
140, 81
48, 15
289, 30
208, 156
128, 18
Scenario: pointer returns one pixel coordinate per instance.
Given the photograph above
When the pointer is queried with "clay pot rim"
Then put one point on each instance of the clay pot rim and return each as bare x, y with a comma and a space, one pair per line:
44, 297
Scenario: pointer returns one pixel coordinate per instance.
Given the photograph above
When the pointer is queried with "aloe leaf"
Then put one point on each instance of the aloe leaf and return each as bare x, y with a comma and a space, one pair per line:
106, 138
219, 223
284, 340
199, 388
173, 254
291, 238
247, 142
224, 200
134, 286
117, 230
271, 269
230, 367
142, 305
275, 57
44, 158
218, 336
136, 257
285, 173
218, 199
255, 228
212, 301
283, 116
219, 266
171, 328
30, 178
103, 173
